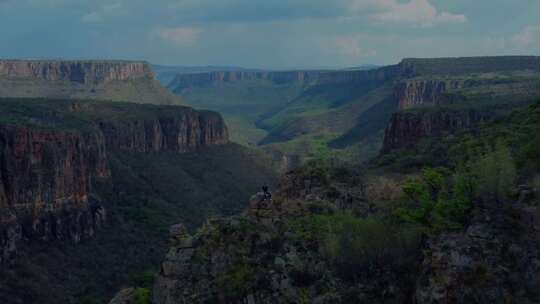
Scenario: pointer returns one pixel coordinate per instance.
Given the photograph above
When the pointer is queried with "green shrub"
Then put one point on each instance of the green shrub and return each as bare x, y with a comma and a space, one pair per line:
437, 201
357, 245
496, 173
142, 296
143, 279
236, 282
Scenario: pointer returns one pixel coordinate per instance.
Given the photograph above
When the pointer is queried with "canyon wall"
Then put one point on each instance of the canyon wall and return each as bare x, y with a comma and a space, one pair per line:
406, 129
417, 92
45, 185
180, 131
83, 72
90, 79
183, 81
48, 172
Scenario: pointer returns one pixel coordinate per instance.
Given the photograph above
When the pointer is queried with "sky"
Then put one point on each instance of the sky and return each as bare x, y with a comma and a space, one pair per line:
277, 34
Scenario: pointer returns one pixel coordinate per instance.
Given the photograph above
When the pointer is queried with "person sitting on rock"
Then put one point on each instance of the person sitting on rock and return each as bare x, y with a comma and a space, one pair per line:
266, 193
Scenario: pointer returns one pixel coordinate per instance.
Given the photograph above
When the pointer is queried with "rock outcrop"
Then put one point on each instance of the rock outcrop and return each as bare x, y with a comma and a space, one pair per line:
496, 260
85, 79
406, 129
257, 258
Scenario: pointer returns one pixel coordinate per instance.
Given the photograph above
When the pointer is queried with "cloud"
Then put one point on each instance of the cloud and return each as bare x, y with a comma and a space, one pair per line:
417, 12
528, 37
182, 36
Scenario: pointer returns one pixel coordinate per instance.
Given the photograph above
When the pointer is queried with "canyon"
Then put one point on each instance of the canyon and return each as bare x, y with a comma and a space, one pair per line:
346, 111
89, 184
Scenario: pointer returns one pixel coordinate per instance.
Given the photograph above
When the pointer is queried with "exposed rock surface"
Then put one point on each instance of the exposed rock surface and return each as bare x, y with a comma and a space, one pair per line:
414, 93
406, 129
256, 258
45, 185
185, 130
496, 260
99, 80
83, 72
183, 81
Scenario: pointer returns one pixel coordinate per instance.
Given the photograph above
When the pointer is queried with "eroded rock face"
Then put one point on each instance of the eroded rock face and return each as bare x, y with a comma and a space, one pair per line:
414, 93
83, 72
496, 260
184, 81
47, 172
406, 129
92, 79
184, 131
45, 184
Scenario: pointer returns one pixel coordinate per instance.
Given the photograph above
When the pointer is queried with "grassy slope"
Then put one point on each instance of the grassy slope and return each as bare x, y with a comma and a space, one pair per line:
242, 103
142, 91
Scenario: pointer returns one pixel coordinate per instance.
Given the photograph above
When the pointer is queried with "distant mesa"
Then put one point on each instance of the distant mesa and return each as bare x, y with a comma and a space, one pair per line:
83, 79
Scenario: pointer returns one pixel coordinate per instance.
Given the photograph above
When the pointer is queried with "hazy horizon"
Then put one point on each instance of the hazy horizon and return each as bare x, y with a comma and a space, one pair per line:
294, 34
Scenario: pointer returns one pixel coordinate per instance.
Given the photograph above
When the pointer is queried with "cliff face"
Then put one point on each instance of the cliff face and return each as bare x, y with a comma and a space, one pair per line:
378, 75
185, 131
184, 81
413, 93
83, 72
96, 80
406, 129
45, 185
47, 171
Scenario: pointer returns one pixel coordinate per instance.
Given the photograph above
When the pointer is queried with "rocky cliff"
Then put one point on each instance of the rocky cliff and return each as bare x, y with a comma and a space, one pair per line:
406, 129
273, 253
46, 181
83, 72
179, 130
183, 81
50, 159
415, 93
257, 257
100, 80
495, 260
